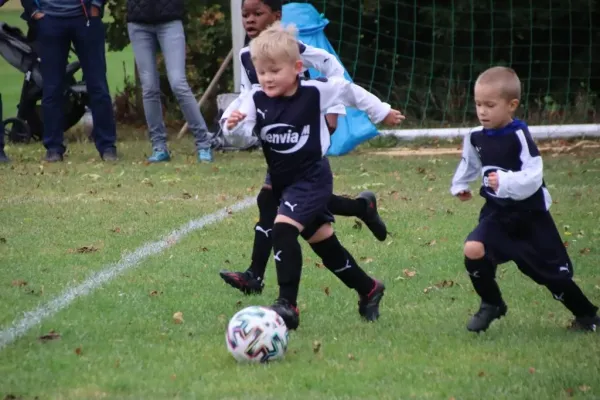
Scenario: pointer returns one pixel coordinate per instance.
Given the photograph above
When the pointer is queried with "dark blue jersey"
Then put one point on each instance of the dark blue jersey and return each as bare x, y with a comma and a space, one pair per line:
514, 156
292, 129
312, 57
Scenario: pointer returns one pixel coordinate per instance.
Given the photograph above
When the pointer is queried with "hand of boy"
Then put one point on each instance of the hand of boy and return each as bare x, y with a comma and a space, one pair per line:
464, 195
492, 180
394, 117
234, 119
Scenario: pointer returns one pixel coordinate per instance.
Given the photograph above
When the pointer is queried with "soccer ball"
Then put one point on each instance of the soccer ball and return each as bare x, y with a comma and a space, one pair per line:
256, 334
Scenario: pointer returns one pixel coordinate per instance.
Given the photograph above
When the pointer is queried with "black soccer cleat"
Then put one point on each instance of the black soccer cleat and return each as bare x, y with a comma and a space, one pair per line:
368, 306
485, 316
243, 281
289, 313
586, 324
372, 218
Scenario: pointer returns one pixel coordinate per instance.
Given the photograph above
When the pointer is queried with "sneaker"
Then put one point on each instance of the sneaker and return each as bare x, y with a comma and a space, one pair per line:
372, 218
110, 155
246, 282
485, 316
368, 306
53, 156
289, 313
3, 157
205, 155
159, 156
586, 324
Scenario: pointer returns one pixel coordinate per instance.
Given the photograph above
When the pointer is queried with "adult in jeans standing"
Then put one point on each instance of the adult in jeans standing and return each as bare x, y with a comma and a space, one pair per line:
152, 22
60, 23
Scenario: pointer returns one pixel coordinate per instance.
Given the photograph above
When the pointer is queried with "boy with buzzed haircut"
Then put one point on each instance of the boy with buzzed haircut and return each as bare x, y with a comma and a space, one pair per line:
515, 222
287, 115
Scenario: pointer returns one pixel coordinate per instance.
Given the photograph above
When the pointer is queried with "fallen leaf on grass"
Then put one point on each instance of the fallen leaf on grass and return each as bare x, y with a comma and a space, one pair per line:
2, 240
351, 357
19, 282
431, 243
203, 249
366, 260
155, 293
116, 230
532, 370
408, 273
566, 243
326, 290
585, 250
584, 388
570, 392
78, 351
173, 377
357, 225
178, 318
83, 250
186, 195
316, 346
440, 285
481, 374
49, 336
319, 265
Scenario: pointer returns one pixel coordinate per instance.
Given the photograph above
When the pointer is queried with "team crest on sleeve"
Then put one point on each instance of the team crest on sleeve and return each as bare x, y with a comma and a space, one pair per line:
284, 138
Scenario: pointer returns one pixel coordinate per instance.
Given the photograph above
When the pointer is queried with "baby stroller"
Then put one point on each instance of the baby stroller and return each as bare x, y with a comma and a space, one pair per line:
19, 52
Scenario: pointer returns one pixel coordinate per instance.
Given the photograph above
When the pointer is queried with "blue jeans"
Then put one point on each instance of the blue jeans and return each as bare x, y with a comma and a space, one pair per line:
55, 36
171, 39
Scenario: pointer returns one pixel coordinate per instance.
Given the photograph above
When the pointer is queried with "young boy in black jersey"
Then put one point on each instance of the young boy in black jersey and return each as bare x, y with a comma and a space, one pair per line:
515, 223
258, 15
287, 115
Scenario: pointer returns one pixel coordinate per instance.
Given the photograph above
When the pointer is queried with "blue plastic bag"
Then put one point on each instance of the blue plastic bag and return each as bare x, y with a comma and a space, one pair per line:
355, 127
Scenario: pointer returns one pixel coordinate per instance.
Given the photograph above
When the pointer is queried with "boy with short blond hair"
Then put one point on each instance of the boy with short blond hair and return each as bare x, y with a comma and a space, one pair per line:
515, 223
287, 115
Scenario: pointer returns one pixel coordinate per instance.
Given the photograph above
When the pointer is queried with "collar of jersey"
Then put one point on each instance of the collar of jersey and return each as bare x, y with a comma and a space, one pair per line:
514, 126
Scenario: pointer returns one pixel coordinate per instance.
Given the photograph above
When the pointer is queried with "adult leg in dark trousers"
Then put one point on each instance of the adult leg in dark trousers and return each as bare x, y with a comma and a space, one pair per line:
55, 37
90, 45
3, 157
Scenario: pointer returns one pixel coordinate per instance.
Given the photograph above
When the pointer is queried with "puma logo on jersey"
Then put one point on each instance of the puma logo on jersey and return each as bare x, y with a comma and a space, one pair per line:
282, 134
290, 206
261, 112
277, 255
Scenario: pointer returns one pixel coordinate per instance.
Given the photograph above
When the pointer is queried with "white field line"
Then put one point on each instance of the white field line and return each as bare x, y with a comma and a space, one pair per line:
31, 318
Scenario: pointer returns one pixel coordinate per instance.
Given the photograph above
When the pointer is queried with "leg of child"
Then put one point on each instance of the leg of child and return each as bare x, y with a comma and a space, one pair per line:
252, 280
544, 258
338, 260
288, 261
481, 251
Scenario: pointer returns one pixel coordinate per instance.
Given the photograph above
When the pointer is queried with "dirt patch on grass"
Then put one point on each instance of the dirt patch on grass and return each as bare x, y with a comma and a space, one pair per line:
557, 147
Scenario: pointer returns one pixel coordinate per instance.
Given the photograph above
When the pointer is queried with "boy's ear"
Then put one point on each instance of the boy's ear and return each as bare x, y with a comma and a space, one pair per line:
298, 66
277, 15
513, 104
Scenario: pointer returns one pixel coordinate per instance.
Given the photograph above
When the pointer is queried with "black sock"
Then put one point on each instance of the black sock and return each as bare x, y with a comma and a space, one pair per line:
483, 277
263, 232
288, 260
573, 298
339, 261
347, 207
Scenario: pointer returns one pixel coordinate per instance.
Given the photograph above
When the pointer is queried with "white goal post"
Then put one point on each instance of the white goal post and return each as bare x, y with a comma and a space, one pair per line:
538, 131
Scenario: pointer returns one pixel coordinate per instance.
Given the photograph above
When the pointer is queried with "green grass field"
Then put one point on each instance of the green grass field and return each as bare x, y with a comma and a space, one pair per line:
118, 63
61, 223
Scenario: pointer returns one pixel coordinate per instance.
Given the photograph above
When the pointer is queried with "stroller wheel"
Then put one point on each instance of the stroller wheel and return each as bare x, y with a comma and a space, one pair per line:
17, 130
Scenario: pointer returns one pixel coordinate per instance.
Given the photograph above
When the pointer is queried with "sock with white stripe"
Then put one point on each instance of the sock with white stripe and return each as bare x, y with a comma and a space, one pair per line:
339, 261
